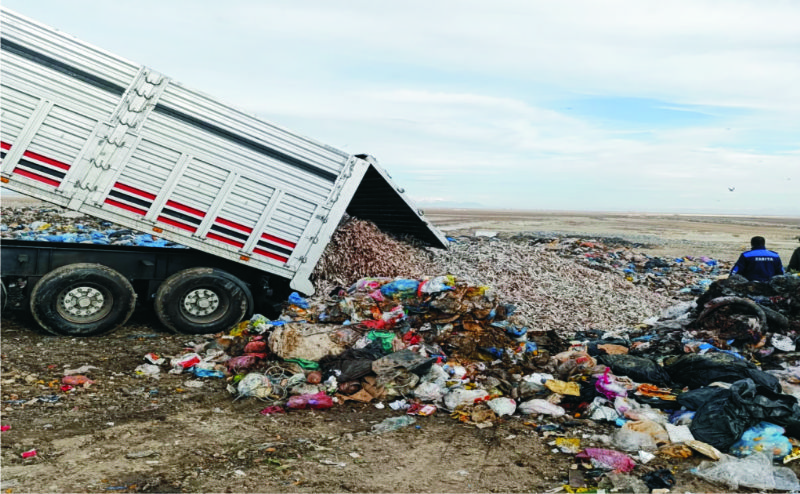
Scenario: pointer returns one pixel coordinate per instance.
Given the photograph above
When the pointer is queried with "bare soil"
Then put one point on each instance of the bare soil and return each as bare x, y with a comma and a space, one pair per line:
133, 433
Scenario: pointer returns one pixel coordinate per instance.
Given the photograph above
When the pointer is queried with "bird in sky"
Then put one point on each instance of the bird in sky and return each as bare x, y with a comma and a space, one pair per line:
731, 188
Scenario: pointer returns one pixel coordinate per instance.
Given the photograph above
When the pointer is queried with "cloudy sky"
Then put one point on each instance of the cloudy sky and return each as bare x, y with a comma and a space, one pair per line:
615, 105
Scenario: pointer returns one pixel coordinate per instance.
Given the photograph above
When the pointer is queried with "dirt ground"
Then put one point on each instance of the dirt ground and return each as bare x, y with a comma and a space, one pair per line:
134, 433
720, 237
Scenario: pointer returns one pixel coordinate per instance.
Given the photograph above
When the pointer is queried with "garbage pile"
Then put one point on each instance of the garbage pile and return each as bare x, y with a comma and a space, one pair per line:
668, 390
682, 277
47, 224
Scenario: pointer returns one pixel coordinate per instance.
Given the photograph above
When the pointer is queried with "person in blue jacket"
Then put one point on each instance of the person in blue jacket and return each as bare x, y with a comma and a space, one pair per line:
758, 263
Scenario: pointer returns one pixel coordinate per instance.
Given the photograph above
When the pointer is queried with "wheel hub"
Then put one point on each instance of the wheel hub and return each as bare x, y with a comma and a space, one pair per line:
83, 301
201, 302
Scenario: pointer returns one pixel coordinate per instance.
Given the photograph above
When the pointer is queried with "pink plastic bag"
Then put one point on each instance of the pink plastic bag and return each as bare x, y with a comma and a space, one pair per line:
240, 363
614, 460
608, 387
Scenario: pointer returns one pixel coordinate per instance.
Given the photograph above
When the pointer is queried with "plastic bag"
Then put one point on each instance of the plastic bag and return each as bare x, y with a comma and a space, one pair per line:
608, 459
542, 407
640, 369
598, 410
296, 299
502, 406
318, 401
607, 386
640, 435
755, 471
695, 370
255, 384
461, 396
764, 437
438, 284
659, 479
400, 288
729, 413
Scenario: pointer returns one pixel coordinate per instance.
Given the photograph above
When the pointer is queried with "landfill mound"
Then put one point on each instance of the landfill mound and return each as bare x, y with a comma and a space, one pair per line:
550, 291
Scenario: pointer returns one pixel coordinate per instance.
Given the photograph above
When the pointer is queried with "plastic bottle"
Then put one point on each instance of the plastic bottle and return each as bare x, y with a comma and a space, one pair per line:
393, 424
319, 401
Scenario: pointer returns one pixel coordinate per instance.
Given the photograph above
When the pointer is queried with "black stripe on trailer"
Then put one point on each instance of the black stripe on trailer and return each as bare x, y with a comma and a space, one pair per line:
267, 245
41, 168
130, 198
249, 143
231, 233
181, 216
59, 66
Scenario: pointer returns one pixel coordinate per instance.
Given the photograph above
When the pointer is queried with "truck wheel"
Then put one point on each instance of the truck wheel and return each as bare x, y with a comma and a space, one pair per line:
202, 300
82, 299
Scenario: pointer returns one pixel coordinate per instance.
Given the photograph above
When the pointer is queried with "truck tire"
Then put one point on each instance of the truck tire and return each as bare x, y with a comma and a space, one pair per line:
82, 299
202, 300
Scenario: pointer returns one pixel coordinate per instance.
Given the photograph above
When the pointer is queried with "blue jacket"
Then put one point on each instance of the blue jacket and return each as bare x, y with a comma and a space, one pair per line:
758, 265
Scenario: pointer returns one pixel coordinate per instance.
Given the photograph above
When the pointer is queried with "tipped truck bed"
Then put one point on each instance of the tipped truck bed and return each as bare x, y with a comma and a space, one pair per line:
90, 131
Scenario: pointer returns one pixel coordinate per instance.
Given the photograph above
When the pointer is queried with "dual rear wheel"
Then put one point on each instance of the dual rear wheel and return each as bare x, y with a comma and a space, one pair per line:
89, 299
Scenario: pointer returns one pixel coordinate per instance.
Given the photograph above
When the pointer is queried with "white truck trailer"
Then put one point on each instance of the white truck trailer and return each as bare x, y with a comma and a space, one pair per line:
255, 203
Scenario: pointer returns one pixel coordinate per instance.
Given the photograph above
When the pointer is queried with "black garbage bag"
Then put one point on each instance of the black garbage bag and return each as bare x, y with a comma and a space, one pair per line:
591, 347
695, 370
659, 479
727, 414
640, 369
694, 399
353, 364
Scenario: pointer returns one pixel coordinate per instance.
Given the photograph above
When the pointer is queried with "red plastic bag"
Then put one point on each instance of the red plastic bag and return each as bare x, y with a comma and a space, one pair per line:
78, 380
317, 401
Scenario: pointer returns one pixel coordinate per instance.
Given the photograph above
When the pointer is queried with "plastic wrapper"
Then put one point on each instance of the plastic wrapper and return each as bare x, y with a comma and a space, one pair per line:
392, 424
563, 388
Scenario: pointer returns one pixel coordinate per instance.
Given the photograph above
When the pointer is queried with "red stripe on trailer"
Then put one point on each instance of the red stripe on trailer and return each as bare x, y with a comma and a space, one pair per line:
270, 255
184, 226
186, 209
231, 224
125, 207
224, 239
34, 176
277, 240
168, 221
5, 145
45, 159
132, 190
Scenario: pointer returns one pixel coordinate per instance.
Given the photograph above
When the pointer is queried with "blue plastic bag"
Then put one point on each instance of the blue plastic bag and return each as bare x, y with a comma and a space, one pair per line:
296, 299
764, 437
400, 288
